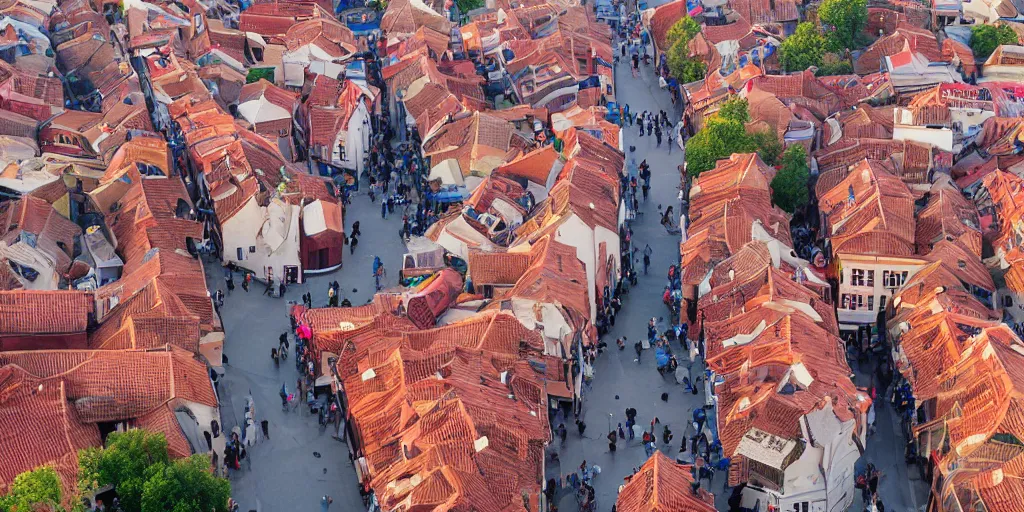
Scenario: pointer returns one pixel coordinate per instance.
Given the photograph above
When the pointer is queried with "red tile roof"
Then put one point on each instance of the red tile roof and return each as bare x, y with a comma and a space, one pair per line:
44, 312
948, 216
405, 17
113, 385
880, 218
40, 428
664, 17
906, 37
661, 485
34, 222
443, 395
496, 268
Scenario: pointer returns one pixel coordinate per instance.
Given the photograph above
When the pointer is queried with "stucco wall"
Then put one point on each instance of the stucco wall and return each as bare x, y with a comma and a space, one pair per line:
243, 231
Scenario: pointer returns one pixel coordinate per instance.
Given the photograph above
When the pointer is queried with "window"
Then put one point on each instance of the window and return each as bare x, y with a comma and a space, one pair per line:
870, 281
239, 253
852, 302
871, 302
893, 278
857, 277
881, 302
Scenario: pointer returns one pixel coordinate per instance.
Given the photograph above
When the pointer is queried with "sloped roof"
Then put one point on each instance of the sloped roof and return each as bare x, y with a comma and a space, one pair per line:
880, 218
496, 268
112, 385
479, 142
948, 216
664, 17
33, 221
661, 485
407, 16
906, 37
44, 312
40, 428
441, 394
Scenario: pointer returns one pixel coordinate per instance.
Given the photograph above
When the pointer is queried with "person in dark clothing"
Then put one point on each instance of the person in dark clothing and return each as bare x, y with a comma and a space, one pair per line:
639, 346
355, 229
352, 243
563, 433
581, 426
612, 439
281, 289
647, 262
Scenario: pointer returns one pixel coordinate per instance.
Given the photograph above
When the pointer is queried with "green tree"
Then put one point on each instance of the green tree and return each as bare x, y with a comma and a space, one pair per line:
835, 67
126, 461
789, 188
735, 109
768, 147
680, 65
803, 49
846, 19
685, 29
185, 486
39, 488
721, 137
986, 38
468, 5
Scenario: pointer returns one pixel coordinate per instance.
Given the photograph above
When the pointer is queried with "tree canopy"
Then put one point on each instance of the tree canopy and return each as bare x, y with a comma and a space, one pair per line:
986, 38
846, 20
735, 109
126, 461
680, 64
803, 49
768, 146
789, 187
185, 485
685, 29
137, 464
723, 134
37, 488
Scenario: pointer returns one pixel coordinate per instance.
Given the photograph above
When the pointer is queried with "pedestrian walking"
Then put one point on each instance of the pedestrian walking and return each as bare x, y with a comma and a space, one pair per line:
563, 433
355, 229
352, 243
281, 288
622, 433
639, 346
612, 439
581, 426
384, 209
246, 279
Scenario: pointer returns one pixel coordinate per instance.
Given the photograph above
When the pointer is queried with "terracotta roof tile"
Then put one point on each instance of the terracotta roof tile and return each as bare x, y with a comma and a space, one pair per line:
497, 268
111, 385
41, 428
663, 485
45, 312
